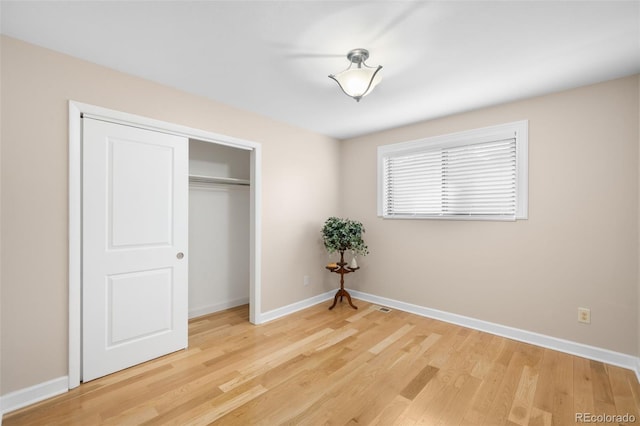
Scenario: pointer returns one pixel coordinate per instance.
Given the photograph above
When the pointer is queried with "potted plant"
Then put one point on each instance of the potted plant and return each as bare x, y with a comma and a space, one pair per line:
341, 235
344, 234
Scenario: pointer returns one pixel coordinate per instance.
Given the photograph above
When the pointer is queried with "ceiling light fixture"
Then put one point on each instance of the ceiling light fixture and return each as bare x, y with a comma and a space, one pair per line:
359, 79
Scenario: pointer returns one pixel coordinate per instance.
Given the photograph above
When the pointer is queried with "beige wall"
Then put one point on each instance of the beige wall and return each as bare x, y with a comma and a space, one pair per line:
298, 167
579, 246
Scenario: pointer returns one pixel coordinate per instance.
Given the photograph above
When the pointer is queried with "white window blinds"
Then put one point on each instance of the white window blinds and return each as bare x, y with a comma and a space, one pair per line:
462, 176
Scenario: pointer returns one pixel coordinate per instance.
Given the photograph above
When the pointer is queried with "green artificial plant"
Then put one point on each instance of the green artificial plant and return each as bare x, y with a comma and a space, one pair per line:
344, 234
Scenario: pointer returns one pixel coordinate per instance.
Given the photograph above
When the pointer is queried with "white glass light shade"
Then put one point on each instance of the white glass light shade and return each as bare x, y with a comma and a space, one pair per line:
358, 82
359, 79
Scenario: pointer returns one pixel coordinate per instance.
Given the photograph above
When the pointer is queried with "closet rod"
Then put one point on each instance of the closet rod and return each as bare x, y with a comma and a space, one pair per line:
218, 180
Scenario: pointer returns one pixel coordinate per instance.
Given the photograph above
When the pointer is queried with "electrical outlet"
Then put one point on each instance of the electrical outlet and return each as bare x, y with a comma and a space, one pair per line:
584, 315
306, 280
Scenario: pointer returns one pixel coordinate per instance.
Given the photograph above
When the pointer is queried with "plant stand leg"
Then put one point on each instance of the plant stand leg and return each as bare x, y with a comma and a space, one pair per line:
346, 293
342, 292
335, 300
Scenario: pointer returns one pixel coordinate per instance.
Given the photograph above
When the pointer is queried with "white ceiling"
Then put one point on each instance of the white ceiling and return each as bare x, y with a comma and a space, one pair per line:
273, 57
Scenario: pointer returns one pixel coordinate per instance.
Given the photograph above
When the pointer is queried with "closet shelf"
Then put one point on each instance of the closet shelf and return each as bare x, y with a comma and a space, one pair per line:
219, 180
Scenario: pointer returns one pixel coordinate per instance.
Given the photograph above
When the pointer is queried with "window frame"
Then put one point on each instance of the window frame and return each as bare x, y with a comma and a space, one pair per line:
517, 129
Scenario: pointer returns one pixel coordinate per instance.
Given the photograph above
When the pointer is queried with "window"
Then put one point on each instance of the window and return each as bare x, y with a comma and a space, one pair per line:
478, 174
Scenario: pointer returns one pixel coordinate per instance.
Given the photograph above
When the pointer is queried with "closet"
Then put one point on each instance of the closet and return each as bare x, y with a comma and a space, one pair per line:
219, 224
139, 190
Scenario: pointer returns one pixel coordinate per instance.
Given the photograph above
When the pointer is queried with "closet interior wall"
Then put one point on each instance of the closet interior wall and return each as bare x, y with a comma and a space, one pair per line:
218, 227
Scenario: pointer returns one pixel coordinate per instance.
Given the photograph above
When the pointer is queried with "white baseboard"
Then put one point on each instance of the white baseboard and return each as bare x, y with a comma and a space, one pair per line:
294, 307
210, 309
574, 348
23, 397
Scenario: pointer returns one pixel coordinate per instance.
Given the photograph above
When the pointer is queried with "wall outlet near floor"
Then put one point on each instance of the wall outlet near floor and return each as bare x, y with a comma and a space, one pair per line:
306, 280
584, 315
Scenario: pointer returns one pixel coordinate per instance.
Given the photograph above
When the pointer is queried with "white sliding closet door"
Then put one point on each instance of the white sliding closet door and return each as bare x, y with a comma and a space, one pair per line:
135, 239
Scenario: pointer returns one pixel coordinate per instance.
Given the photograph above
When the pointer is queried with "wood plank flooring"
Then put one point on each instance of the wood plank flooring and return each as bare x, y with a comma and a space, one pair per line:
346, 367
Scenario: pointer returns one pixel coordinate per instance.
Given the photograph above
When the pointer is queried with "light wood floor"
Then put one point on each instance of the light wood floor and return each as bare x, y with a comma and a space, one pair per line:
344, 367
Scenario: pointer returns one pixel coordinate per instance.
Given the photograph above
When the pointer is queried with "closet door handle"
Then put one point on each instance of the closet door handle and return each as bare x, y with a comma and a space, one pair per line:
180, 255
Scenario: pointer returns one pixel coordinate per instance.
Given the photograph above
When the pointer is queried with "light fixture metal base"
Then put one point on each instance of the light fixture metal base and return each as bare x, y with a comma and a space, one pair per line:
358, 56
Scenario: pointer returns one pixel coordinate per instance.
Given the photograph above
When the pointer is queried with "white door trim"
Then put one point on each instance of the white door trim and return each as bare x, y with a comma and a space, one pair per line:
76, 109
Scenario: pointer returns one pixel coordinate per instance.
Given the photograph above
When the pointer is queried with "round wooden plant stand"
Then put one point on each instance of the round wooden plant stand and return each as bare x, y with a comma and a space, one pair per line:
342, 269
